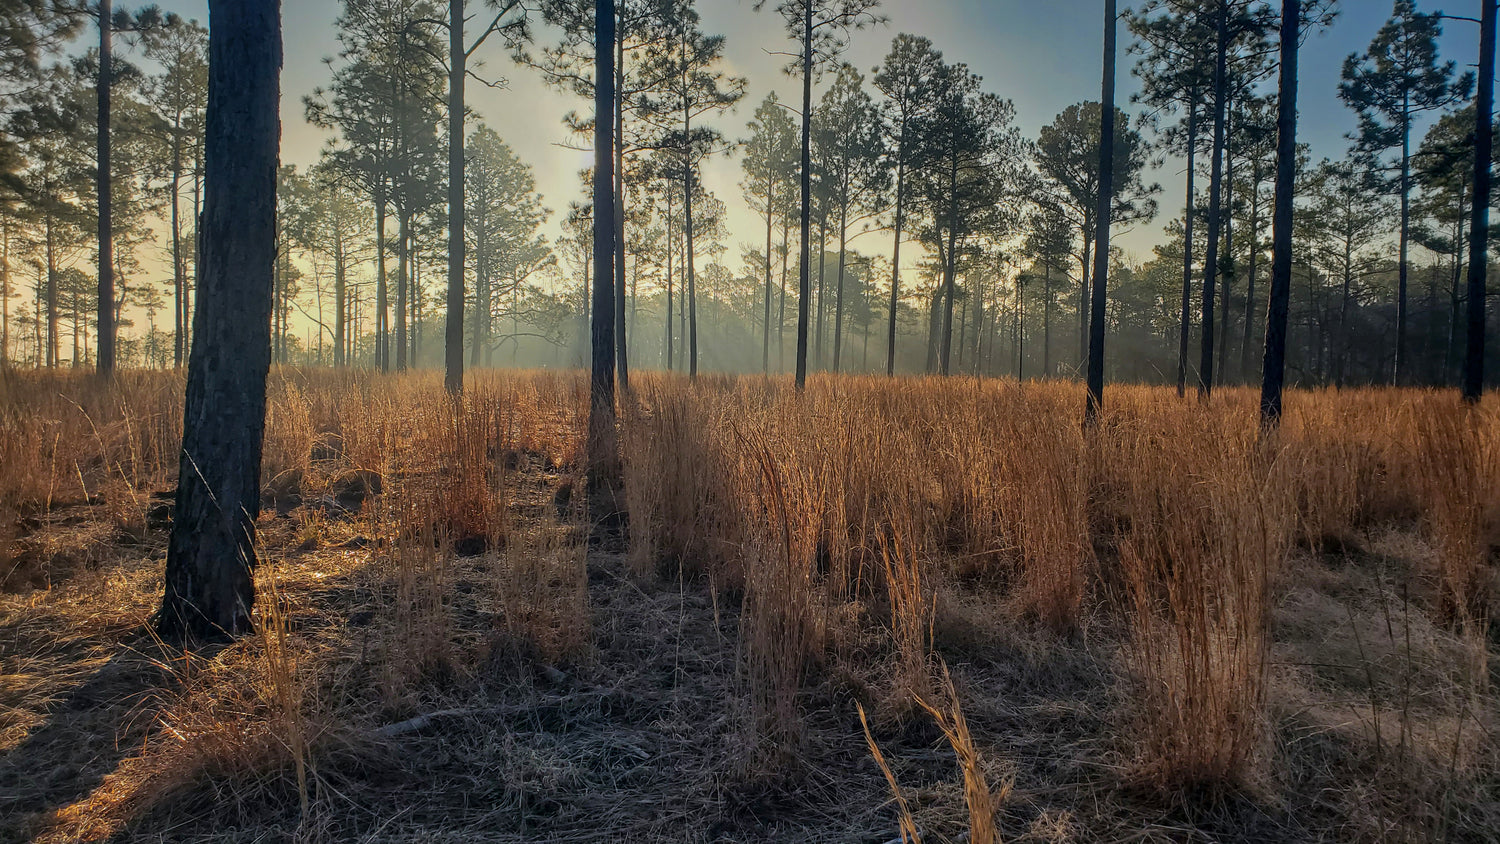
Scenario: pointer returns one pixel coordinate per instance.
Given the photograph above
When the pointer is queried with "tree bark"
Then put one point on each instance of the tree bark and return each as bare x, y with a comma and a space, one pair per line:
1095, 401
890, 336
603, 445
105, 360
211, 553
453, 341
1215, 206
807, 69
1479, 219
1273, 368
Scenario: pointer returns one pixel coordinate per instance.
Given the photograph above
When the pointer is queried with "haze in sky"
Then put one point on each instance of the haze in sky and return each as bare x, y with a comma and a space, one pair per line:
1042, 54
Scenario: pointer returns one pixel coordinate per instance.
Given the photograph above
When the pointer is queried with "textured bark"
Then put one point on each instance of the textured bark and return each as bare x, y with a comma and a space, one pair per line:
453, 340
1273, 368
1095, 402
106, 317
1479, 220
603, 445
212, 549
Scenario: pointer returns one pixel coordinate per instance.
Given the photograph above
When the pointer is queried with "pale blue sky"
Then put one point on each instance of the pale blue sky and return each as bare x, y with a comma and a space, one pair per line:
1043, 54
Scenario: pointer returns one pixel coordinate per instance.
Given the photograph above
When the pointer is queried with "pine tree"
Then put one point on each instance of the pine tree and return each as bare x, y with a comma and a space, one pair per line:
1396, 79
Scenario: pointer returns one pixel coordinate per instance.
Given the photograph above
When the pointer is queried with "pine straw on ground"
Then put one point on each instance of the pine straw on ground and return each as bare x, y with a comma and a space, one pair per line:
539, 687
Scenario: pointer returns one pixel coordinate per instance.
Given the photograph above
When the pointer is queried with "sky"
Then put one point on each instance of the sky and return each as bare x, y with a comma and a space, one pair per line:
1044, 55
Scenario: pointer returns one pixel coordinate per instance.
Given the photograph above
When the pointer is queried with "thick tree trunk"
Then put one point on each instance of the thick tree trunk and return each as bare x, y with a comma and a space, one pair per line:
1095, 401
603, 445
212, 549
1215, 206
1273, 368
453, 341
691, 280
1479, 219
671, 248
106, 318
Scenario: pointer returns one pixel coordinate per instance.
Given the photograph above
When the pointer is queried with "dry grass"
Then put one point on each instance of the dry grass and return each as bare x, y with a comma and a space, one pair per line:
1284, 639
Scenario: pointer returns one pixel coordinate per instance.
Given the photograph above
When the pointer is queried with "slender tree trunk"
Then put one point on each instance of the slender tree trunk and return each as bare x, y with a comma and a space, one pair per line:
890, 334
1095, 401
453, 341
838, 293
671, 248
106, 318
179, 271
786, 225
1227, 260
621, 338
1211, 267
1254, 265
765, 346
1020, 332
692, 287
1397, 375
1273, 368
52, 338
340, 297
822, 274
1187, 246
212, 548
382, 292
403, 288
1085, 262
1479, 212
945, 349
805, 289
1047, 319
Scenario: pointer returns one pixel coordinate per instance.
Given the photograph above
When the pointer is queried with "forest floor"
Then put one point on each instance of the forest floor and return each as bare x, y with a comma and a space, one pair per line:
424, 686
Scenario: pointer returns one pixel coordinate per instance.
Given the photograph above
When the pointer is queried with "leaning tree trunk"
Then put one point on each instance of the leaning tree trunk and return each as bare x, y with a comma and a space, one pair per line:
1479, 219
1273, 368
106, 317
453, 341
1095, 400
212, 549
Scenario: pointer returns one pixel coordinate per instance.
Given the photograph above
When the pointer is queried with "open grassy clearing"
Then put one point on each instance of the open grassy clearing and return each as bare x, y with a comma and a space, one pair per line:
1167, 631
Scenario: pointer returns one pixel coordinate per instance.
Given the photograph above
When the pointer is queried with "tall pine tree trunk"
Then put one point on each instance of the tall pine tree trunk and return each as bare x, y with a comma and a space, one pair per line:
1187, 246
1215, 205
1095, 401
211, 553
805, 288
106, 317
603, 444
890, 333
1479, 219
453, 341
1273, 368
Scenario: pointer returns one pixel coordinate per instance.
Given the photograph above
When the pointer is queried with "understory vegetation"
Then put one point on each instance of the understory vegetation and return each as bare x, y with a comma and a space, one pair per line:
880, 609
